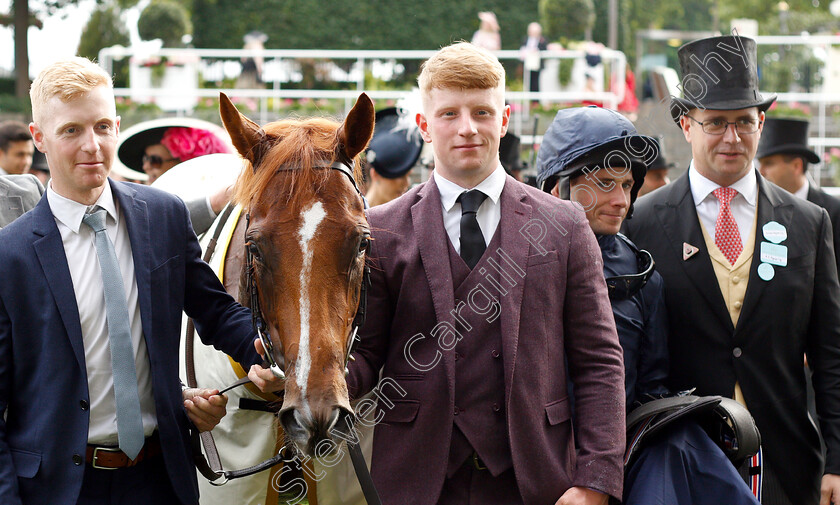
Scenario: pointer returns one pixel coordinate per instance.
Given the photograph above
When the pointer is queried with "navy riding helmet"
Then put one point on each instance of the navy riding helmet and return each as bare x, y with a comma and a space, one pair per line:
592, 137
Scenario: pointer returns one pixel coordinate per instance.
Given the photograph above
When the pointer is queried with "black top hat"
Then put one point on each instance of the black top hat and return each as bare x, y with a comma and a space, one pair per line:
785, 136
660, 163
395, 146
39, 162
719, 73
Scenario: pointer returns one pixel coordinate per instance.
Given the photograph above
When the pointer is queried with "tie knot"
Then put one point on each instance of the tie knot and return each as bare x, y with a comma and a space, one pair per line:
725, 195
471, 200
96, 219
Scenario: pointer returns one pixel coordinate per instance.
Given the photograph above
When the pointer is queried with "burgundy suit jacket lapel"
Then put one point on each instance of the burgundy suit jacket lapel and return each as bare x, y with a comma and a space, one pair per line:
432, 241
515, 214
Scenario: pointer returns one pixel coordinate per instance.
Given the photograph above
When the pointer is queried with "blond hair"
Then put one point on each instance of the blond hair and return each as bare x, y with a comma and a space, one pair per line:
67, 79
461, 66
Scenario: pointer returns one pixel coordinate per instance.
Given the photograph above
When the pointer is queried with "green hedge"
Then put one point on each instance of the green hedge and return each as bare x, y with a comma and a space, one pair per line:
365, 24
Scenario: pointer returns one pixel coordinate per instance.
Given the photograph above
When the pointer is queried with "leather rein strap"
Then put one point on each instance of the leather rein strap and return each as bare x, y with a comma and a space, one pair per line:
211, 465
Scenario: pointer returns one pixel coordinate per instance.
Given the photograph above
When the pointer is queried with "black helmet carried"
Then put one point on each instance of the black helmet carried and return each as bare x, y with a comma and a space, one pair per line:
592, 137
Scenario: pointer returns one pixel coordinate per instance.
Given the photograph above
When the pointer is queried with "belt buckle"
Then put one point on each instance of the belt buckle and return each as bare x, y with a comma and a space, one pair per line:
477, 463
96, 455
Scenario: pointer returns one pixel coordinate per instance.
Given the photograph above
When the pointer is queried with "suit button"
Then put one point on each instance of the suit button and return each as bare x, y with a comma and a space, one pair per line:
496, 407
737, 352
77, 460
84, 405
457, 410
457, 356
495, 353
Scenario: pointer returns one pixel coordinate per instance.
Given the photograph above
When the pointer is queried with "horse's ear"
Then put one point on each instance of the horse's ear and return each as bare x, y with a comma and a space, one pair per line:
245, 134
357, 129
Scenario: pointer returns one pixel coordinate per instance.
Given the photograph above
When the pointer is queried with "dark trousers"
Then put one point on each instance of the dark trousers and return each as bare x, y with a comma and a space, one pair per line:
144, 484
471, 486
535, 81
683, 466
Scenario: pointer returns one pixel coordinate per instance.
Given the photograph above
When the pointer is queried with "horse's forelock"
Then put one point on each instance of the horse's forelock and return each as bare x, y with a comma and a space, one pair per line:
296, 144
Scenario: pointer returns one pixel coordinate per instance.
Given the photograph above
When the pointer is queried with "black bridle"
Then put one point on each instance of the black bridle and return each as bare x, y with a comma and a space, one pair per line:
211, 466
257, 319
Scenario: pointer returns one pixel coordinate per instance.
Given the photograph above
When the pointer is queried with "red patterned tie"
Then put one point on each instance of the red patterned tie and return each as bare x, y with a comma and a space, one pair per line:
727, 236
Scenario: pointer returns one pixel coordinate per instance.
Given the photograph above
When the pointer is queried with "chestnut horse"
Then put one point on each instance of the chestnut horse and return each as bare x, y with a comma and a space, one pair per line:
307, 236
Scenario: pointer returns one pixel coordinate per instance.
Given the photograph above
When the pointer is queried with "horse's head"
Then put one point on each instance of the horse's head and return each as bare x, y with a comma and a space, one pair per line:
307, 237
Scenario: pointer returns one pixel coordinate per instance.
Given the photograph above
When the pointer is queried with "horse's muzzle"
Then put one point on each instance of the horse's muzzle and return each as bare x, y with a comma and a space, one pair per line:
315, 432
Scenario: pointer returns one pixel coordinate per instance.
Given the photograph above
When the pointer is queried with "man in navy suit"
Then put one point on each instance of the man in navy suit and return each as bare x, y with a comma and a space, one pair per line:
59, 441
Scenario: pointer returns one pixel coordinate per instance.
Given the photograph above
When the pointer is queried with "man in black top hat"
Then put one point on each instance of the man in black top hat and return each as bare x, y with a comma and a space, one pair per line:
657, 172
783, 157
750, 276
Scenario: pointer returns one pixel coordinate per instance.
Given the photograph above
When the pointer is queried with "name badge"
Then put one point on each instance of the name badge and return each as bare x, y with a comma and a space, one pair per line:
774, 232
774, 254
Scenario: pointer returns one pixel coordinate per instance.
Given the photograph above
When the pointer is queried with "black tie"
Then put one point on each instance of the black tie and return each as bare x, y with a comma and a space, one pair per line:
472, 241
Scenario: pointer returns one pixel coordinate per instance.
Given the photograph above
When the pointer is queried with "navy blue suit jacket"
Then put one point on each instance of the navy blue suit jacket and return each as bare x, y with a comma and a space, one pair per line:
43, 382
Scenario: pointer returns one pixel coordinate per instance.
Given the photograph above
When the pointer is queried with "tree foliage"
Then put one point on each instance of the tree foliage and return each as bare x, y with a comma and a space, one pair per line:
165, 20
565, 20
105, 28
370, 24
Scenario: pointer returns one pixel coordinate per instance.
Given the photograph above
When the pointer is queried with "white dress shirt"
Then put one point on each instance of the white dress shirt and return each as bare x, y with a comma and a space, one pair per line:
3, 172
803, 191
743, 205
488, 214
81, 255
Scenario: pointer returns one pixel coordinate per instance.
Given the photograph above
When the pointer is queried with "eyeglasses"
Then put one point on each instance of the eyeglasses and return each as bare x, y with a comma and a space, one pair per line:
155, 161
743, 126
622, 287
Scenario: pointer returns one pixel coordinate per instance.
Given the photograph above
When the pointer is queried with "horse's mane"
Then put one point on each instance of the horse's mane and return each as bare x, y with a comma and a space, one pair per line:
296, 145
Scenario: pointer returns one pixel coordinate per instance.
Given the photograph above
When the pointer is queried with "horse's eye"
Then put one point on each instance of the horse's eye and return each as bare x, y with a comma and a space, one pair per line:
363, 245
254, 250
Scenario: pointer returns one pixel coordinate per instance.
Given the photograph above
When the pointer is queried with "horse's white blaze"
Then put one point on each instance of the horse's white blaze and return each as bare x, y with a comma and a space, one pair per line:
310, 220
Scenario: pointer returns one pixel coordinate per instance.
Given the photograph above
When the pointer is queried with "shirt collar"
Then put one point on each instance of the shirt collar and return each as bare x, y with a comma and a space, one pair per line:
70, 212
701, 187
803, 191
491, 186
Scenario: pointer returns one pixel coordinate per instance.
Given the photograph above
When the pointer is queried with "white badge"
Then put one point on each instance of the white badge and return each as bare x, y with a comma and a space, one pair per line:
774, 254
766, 271
774, 232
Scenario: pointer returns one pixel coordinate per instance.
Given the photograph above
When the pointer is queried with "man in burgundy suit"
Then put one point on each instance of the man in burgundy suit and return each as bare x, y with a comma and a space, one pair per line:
487, 301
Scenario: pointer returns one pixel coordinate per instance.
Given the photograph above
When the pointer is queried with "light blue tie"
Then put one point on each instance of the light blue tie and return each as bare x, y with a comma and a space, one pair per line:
129, 420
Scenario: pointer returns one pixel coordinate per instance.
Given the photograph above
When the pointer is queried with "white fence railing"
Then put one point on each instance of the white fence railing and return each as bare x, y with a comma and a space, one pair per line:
282, 75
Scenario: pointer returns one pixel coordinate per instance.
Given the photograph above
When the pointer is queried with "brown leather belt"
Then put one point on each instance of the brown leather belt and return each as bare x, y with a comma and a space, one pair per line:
112, 458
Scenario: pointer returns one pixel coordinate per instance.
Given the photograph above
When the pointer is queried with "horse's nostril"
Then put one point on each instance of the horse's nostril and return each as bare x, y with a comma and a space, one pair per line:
293, 423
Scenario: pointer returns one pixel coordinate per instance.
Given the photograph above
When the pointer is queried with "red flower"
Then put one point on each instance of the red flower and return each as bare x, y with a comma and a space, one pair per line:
188, 143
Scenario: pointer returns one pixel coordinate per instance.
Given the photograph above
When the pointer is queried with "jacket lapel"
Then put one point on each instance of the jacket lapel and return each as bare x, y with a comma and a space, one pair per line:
136, 216
769, 208
49, 249
515, 214
432, 241
681, 225
815, 196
